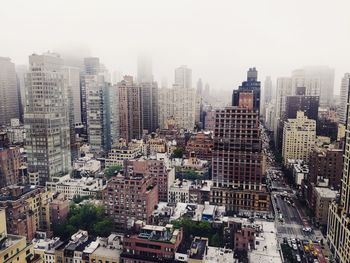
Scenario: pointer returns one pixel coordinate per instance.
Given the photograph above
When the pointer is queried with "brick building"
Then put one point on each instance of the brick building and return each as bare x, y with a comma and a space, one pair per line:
238, 163
10, 164
130, 196
27, 210
202, 145
150, 243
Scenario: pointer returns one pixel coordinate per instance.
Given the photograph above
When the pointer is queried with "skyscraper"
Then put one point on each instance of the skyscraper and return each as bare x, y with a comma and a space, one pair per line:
144, 69
9, 96
344, 93
130, 116
338, 234
72, 76
284, 89
237, 164
184, 99
267, 95
21, 71
318, 80
251, 85
183, 77
46, 117
149, 106
96, 112
91, 67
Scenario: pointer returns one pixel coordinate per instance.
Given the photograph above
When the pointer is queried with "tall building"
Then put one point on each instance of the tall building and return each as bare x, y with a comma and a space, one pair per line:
238, 162
96, 107
284, 89
301, 102
72, 76
338, 232
149, 106
21, 71
299, 136
318, 80
184, 107
242, 97
183, 77
92, 66
267, 95
46, 118
144, 69
9, 95
344, 93
165, 106
130, 115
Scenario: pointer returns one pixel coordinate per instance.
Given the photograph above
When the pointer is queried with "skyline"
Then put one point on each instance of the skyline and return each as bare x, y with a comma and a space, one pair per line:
218, 48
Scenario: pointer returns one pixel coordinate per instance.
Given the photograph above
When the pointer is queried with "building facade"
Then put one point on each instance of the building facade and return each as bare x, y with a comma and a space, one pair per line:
238, 162
344, 93
299, 137
9, 94
130, 115
46, 118
130, 197
338, 233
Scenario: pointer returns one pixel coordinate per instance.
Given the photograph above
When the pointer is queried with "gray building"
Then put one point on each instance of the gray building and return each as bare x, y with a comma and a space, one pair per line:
46, 117
9, 95
149, 106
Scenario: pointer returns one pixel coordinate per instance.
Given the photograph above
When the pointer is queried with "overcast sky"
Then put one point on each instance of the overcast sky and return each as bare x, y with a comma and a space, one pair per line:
219, 40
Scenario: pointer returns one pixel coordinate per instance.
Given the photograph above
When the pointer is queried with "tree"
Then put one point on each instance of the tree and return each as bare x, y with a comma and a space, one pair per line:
112, 170
201, 229
86, 217
178, 152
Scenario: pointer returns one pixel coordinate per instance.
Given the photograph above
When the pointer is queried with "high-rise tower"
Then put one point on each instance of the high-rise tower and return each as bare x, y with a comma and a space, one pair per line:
46, 117
338, 234
237, 164
9, 96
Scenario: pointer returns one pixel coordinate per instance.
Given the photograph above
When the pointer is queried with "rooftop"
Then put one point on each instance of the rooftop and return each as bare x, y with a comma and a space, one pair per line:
325, 192
10, 241
266, 249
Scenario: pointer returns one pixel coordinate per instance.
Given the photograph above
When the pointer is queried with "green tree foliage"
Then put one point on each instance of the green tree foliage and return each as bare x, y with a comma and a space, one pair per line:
112, 170
78, 199
87, 217
201, 229
178, 153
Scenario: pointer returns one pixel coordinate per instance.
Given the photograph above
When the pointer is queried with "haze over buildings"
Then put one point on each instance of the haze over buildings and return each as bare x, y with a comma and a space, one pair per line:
216, 41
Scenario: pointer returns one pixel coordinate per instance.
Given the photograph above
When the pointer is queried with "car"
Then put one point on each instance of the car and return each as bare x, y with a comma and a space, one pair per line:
295, 247
298, 258
293, 240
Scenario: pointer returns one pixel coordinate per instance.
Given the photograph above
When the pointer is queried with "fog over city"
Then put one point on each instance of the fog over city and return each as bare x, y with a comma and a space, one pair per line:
219, 40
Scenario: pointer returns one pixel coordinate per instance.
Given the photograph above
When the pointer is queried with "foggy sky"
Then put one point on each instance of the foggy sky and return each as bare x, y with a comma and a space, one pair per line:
218, 40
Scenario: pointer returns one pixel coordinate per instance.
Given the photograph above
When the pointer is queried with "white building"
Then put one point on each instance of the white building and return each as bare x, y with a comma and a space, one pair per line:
179, 192
125, 151
344, 93
284, 89
86, 186
299, 137
87, 166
